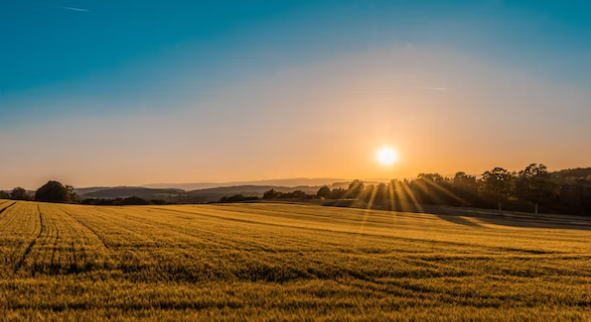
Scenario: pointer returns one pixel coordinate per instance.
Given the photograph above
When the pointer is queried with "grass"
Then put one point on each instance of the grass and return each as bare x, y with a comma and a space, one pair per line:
281, 262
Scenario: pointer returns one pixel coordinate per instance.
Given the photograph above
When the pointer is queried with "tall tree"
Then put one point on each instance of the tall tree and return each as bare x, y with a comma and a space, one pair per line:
270, 194
298, 194
462, 181
431, 188
19, 193
497, 185
338, 193
466, 187
72, 194
368, 193
355, 188
534, 184
382, 193
323, 192
53, 191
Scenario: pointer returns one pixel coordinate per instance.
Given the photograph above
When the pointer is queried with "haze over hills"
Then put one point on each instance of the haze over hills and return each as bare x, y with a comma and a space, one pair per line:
205, 192
123, 192
182, 193
290, 182
208, 191
182, 196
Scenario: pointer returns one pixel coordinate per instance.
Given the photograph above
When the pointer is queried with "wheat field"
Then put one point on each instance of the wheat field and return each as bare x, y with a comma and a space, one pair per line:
286, 262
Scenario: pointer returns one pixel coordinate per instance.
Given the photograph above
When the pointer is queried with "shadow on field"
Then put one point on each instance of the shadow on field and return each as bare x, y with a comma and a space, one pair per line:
517, 219
457, 215
458, 220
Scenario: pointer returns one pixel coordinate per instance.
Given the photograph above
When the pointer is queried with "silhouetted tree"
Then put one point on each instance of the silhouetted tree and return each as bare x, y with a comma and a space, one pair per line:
367, 193
72, 194
53, 191
134, 201
298, 194
355, 189
88, 201
323, 192
397, 190
534, 184
381, 194
462, 181
338, 193
123, 201
239, 198
236, 198
4, 195
431, 188
19, 193
465, 187
158, 202
271, 194
497, 185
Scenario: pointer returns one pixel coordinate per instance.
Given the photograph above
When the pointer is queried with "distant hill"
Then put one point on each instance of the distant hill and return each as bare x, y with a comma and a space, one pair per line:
83, 191
182, 196
123, 192
214, 194
208, 192
292, 183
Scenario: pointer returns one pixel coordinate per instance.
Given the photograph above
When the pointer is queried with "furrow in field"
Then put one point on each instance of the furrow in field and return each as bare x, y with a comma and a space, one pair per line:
79, 249
420, 231
279, 262
245, 236
98, 236
6, 207
8, 218
32, 243
162, 233
295, 224
112, 232
163, 227
19, 226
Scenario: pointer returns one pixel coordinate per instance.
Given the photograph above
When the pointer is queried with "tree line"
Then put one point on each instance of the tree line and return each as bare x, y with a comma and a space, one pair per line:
270, 194
54, 191
530, 189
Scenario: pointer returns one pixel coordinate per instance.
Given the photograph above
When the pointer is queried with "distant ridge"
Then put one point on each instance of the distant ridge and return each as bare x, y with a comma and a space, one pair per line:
293, 182
182, 196
123, 192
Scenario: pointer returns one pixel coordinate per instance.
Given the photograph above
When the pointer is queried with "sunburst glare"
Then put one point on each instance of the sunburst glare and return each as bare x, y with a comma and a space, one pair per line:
387, 156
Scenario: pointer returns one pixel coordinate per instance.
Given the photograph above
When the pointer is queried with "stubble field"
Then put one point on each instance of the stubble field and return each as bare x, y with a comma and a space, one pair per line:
282, 262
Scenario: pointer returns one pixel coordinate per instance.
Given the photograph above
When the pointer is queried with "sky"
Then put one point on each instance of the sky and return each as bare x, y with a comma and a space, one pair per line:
105, 92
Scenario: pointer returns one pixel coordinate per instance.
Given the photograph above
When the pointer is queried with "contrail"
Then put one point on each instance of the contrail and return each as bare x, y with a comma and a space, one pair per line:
75, 9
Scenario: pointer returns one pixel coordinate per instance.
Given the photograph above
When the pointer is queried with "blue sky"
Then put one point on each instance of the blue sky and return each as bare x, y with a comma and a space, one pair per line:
85, 61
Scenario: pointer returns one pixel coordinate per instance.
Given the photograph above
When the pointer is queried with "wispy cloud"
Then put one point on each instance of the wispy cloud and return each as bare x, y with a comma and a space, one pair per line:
75, 9
435, 88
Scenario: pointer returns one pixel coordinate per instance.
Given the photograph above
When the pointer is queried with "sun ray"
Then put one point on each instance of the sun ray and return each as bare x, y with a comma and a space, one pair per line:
366, 213
402, 195
442, 189
391, 188
413, 197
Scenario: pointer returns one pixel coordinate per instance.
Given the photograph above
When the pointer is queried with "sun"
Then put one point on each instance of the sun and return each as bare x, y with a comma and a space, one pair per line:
387, 156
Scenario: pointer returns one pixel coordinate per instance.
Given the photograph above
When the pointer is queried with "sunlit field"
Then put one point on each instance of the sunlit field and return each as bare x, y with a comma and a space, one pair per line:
282, 262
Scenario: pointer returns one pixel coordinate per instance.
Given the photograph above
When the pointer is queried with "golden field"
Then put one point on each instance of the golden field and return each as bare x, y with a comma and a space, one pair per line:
288, 262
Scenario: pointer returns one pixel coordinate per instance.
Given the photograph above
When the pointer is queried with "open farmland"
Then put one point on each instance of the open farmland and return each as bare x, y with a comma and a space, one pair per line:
280, 262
